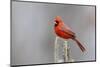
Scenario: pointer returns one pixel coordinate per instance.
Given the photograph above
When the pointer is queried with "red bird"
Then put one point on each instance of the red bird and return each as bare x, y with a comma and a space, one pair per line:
65, 32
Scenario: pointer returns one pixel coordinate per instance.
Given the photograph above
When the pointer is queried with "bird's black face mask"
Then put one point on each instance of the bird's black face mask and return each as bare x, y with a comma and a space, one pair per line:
56, 23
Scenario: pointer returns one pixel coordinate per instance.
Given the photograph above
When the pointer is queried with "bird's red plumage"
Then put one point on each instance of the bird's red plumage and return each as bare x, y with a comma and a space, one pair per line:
65, 32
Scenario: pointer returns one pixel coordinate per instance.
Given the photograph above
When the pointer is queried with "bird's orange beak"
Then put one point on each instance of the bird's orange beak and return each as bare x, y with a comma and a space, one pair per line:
55, 21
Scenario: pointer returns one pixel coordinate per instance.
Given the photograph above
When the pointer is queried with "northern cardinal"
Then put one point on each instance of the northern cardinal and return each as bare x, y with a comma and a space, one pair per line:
65, 32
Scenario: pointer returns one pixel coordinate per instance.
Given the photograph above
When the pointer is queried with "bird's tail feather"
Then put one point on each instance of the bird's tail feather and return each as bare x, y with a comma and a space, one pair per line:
80, 45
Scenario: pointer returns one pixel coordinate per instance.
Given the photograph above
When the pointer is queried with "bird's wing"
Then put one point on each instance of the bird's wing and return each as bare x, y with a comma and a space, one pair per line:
67, 30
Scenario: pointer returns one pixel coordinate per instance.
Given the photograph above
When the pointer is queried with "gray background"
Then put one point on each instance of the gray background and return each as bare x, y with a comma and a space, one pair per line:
33, 38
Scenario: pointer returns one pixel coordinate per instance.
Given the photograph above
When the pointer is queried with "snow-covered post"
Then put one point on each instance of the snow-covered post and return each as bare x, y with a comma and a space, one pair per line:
66, 51
56, 51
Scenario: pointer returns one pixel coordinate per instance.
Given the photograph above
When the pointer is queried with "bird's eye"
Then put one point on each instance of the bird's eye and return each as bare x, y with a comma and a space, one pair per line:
56, 21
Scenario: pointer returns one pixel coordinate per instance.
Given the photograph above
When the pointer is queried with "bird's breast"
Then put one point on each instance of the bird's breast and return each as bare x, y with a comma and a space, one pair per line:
61, 34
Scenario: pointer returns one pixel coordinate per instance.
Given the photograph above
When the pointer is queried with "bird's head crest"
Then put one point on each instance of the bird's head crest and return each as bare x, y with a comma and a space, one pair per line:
57, 19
